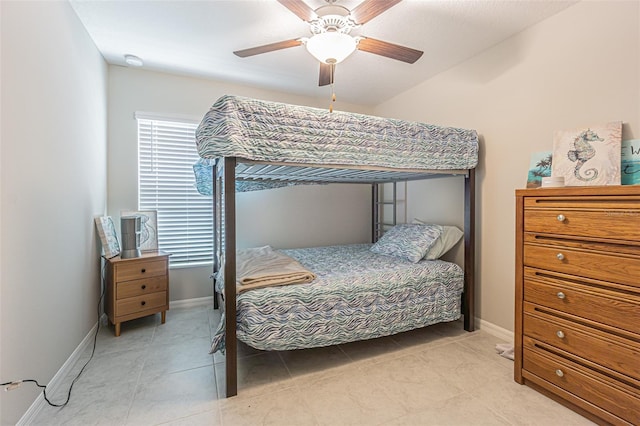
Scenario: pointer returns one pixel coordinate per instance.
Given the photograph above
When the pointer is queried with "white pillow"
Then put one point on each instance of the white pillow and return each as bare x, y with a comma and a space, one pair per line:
448, 238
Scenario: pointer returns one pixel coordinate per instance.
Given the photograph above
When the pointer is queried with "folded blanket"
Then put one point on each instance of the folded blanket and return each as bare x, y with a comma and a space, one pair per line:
264, 266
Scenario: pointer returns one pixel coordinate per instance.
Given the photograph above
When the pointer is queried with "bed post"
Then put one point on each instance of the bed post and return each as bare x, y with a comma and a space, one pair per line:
374, 212
231, 358
215, 199
469, 250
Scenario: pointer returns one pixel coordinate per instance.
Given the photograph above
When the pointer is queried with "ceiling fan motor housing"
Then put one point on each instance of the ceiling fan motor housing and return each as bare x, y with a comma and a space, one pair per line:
332, 18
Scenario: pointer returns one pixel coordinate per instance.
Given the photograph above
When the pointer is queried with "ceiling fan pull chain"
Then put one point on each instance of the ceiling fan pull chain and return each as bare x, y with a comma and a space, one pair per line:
332, 80
333, 98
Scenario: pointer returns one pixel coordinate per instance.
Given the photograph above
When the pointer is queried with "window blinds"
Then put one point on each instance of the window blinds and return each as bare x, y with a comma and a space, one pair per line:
166, 183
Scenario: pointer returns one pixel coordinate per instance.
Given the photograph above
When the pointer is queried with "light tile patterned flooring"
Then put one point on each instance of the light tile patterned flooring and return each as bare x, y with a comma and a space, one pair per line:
162, 374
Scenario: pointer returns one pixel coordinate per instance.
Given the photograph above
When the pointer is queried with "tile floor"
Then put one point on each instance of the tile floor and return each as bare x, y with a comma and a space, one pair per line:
162, 374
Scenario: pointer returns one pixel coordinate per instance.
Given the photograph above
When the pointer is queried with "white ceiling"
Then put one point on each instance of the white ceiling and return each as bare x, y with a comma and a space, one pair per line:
197, 38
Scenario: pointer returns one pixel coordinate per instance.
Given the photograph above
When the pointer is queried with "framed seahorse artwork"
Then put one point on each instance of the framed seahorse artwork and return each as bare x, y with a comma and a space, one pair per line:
588, 156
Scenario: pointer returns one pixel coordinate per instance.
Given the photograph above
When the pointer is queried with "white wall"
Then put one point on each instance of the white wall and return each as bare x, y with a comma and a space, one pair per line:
577, 68
53, 183
286, 217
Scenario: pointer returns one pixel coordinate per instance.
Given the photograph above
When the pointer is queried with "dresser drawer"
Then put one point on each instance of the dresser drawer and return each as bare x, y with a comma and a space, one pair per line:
145, 302
623, 204
137, 269
588, 300
132, 288
610, 224
610, 351
615, 397
600, 265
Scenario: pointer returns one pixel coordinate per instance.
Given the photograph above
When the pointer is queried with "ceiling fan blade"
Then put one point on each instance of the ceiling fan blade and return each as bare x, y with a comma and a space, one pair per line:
268, 48
300, 9
327, 72
390, 50
369, 9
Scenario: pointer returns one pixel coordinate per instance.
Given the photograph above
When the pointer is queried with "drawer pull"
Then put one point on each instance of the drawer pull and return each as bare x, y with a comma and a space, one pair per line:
143, 303
560, 334
561, 218
143, 271
144, 286
560, 256
560, 295
559, 373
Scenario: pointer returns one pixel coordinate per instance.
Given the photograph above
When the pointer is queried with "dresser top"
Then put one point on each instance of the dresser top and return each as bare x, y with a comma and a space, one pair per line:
580, 191
143, 255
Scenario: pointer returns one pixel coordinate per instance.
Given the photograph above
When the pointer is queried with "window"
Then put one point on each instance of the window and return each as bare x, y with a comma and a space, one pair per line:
166, 183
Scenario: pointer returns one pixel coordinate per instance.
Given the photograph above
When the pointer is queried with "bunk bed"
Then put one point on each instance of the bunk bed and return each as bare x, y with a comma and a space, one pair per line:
254, 144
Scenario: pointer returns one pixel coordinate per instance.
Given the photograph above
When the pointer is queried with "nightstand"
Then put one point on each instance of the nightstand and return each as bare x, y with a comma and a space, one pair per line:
137, 287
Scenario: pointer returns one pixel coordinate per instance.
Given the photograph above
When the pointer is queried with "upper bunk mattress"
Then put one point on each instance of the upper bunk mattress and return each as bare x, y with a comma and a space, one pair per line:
277, 132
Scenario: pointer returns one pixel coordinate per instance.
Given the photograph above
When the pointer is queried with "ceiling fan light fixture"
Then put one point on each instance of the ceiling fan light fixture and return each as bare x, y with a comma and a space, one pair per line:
331, 47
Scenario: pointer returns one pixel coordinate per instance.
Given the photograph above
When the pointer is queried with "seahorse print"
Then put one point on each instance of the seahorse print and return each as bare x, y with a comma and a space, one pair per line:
583, 151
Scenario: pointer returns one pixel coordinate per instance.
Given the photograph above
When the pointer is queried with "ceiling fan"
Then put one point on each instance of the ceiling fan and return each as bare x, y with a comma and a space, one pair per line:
330, 41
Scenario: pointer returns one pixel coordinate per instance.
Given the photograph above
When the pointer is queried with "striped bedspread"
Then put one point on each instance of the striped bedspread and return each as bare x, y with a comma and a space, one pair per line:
357, 295
277, 132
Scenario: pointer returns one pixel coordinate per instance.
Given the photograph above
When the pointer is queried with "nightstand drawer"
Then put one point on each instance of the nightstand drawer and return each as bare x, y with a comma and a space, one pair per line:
617, 398
136, 269
610, 224
139, 287
611, 351
145, 302
619, 268
621, 310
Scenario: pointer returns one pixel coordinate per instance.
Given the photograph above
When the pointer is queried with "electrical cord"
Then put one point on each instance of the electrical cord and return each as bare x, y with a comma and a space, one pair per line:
16, 383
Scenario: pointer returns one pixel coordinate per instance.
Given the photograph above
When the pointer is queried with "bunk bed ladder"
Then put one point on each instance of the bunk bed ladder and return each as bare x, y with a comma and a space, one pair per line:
378, 223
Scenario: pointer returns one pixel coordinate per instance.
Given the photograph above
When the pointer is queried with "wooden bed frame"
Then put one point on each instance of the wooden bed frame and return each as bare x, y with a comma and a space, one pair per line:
225, 176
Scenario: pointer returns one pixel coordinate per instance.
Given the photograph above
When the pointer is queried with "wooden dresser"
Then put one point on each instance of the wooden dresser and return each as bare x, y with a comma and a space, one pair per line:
577, 319
137, 287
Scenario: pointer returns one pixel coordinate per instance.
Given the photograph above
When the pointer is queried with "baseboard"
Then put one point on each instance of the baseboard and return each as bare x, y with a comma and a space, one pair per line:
54, 384
494, 330
191, 303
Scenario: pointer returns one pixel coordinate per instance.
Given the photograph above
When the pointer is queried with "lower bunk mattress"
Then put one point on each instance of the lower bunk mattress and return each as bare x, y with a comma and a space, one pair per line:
357, 295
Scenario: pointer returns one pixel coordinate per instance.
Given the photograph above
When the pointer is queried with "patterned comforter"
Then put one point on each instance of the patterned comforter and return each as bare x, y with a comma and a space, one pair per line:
277, 132
357, 295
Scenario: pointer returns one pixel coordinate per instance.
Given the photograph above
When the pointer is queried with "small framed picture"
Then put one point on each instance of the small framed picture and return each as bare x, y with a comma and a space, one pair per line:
148, 228
631, 162
539, 167
108, 236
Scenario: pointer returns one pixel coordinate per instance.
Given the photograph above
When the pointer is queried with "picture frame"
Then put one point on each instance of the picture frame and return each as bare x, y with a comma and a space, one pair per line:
108, 236
539, 167
630, 162
588, 156
148, 228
